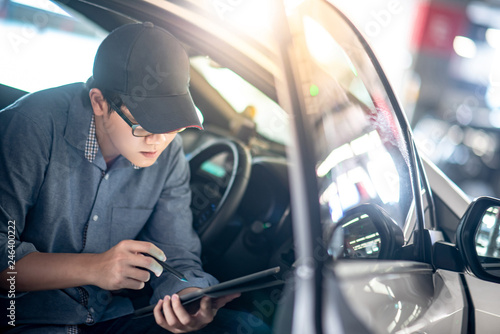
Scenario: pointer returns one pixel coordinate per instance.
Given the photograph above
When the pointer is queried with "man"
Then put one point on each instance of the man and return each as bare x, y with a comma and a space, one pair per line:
94, 194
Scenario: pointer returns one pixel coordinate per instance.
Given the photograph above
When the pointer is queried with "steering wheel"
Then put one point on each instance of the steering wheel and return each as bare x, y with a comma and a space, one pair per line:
220, 170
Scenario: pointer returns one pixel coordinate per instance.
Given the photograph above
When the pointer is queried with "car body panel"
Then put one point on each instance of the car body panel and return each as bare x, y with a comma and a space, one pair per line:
404, 297
445, 188
485, 297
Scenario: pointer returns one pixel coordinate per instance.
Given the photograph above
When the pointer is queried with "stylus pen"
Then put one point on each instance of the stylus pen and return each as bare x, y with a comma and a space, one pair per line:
168, 268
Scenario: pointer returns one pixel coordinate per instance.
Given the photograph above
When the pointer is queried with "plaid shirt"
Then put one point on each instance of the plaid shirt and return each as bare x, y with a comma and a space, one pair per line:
91, 145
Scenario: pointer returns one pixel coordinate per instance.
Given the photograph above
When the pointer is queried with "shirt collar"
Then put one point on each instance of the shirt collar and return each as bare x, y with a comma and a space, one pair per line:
92, 145
85, 139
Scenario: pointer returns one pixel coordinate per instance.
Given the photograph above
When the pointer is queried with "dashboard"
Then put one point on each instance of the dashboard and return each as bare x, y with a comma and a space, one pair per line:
259, 233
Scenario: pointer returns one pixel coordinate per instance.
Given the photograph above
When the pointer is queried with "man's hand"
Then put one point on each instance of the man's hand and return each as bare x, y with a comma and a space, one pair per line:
125, 267
122, 267
171, 314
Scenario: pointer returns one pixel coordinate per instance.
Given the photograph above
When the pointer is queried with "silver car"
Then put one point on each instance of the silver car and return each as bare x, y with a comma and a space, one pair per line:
307, 162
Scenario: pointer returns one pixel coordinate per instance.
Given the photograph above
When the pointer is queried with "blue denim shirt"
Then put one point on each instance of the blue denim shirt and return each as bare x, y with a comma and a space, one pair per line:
61, 202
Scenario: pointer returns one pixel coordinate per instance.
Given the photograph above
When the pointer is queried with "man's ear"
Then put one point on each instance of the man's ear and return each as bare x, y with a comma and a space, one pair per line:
99, 103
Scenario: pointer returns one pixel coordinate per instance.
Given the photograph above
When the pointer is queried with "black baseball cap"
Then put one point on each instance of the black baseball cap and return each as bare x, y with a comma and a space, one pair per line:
148, 67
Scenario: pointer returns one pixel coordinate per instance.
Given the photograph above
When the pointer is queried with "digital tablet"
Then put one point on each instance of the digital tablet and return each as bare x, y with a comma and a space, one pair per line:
255, 281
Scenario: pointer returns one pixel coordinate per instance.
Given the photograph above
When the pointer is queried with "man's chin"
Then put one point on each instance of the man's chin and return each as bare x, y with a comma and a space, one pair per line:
142, 162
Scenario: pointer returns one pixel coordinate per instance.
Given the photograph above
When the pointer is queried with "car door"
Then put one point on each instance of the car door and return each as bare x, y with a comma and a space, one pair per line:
358, 189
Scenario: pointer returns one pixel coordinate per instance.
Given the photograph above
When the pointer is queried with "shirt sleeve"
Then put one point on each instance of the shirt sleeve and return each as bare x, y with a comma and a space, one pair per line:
24, 152
170, 228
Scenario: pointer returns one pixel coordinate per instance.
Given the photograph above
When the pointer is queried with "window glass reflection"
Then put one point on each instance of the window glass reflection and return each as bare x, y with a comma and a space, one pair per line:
488, 234
360, 150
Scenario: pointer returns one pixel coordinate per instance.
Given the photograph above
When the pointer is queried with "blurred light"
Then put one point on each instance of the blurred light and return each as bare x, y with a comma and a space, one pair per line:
477, 12
359, 176
338, 155
331, 197
455, 134
479, 141
483, 14
291, 4
377, 287
493, 38
494, 118
314, 90
253, 17
464, 114
324, 48
489, 221
364, 144
43, 5
460, 155
361, 145
373, 235
407, 60
348, 192
319, 42
352, 221
464, 47
385, 177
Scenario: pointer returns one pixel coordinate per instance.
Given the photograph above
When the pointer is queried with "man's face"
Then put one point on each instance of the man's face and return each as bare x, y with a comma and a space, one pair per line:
141, 151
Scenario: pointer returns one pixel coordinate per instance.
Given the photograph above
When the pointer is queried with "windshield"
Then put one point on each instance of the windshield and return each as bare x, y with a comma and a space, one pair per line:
361, 154
270, 119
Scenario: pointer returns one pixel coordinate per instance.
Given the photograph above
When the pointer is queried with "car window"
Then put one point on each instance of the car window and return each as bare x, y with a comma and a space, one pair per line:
361, 154
270, 119
30, 32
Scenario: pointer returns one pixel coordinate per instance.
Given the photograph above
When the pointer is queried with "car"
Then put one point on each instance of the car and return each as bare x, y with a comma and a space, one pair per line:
307, 162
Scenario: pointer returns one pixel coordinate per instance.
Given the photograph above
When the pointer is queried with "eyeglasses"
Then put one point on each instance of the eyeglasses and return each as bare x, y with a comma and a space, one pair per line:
137, 130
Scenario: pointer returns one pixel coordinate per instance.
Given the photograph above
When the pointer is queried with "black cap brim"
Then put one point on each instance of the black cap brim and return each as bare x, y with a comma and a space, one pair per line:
163, 114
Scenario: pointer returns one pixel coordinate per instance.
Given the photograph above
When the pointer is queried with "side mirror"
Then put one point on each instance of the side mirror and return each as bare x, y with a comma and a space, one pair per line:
365, 232
478, 238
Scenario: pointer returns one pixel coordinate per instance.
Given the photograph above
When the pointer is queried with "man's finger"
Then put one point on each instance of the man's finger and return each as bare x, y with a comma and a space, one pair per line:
146, 247
206, 306
149, 263
158, 314
133, 284
180, 311
169, 314
137, 274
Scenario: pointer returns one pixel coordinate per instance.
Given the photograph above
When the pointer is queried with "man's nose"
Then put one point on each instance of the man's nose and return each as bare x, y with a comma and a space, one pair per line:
155, 138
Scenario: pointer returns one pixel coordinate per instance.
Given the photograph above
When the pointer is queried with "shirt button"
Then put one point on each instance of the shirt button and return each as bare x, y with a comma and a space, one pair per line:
95, 217
106, 176
91, 309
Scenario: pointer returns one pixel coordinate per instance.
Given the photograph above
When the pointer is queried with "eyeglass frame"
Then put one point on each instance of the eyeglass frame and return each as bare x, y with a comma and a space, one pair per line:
129, 122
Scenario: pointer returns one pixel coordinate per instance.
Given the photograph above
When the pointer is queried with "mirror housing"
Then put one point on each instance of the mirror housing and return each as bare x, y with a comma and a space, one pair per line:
366, 231
482, 217
446, 255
